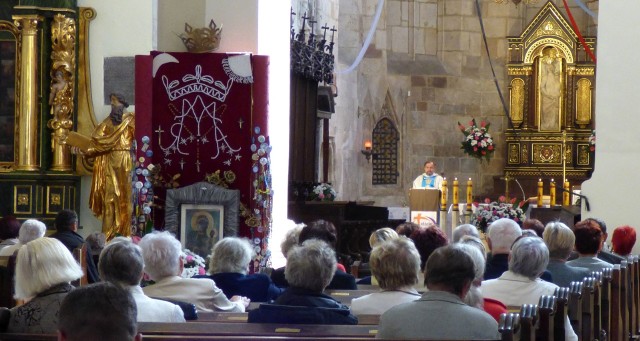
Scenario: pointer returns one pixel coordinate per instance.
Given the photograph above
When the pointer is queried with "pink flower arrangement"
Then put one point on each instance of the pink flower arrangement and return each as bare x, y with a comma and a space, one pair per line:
490, 211
478, 142
193, 264
592, 141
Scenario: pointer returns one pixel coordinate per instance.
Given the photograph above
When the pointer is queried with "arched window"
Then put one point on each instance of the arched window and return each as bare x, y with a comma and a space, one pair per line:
385, 153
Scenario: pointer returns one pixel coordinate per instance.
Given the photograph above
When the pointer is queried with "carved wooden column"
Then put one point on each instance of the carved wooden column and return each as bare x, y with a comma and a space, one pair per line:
63, 67
27, 115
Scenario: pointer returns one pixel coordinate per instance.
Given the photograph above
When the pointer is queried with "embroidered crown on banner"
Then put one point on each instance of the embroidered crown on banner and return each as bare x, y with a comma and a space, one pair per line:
199, 83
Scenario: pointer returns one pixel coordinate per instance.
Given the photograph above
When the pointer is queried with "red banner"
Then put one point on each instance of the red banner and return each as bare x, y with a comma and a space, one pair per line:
208, 122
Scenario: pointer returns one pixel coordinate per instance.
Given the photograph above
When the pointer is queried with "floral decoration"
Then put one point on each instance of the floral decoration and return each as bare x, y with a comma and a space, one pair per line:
592, 141
478, 142
194, 264
323, 192
258, 214
490, 211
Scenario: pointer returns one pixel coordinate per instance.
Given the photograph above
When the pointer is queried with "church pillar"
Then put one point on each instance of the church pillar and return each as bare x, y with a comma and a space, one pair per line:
27, 129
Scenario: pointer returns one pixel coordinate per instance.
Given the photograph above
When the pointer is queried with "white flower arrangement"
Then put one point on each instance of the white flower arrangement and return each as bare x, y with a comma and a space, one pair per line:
194, 264
323, 192
478, 142
486, 214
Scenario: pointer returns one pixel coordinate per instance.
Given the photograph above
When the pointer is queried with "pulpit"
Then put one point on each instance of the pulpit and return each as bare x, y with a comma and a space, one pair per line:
424, 204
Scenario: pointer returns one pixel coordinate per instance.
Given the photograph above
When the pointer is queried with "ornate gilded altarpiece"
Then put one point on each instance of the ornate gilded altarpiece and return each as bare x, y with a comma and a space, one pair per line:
44, 93
551, 100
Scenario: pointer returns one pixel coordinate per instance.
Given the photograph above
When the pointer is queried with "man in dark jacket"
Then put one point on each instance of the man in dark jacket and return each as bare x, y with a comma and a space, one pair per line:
309, 270
66, 224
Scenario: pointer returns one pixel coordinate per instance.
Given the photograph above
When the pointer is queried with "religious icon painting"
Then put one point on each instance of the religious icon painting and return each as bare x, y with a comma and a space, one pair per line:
201, 227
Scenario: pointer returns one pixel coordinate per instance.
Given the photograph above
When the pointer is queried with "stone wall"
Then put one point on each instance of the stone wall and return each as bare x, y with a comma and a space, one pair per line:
428, 56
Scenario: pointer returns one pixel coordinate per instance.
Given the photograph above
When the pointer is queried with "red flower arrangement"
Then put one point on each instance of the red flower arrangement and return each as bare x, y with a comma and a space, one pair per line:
478, 142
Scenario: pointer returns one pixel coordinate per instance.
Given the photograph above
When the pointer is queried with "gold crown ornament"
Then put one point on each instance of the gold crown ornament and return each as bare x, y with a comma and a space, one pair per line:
200, 40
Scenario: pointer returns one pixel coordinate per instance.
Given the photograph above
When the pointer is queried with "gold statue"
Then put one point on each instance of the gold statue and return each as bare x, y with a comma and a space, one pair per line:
110, 144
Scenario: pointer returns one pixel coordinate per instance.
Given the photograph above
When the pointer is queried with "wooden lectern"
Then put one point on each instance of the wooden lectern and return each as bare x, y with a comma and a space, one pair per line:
425, 200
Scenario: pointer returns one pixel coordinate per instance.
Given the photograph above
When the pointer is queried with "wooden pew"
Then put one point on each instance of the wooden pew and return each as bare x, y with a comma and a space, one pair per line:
366, 319
253, 329
528, 321
575, 307
80, 255
345, 296
587, 322
616, 317
631, 293
243, 338
25, 336
562, 310
624, 298
509, 326
7, 271
605, 303
636, 294
546, 315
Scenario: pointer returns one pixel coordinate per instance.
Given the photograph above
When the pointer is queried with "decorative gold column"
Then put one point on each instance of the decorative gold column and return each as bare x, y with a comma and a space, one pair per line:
86, 118
28, 110
63, 61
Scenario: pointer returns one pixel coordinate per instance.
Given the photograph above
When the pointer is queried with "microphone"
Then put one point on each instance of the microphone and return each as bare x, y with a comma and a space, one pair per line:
586, 200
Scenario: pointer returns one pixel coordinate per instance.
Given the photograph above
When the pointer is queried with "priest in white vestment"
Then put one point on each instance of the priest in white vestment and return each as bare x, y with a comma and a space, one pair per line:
428, 179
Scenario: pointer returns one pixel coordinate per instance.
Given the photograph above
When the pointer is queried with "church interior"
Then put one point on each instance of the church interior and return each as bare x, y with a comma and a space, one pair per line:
251, 117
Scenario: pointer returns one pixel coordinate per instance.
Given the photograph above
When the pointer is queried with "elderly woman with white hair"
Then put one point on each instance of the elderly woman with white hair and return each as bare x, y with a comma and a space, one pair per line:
475, 249
44, 270
396, 265
161, 253
521, 284
309, 270
560, 240
228, 267
29, 230
121, 263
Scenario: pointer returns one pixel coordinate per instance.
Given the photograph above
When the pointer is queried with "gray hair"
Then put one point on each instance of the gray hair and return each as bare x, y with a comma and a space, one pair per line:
231, 254
291, 239
529, 257
41, 264
559, 239
311, 265
31, 229
476, 242
381, 235
161, 252
464, 230
502, 233
121, 263
395, 263
478, 259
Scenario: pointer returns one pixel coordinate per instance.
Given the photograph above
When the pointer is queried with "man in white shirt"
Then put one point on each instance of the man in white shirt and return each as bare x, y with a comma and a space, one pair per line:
428, 179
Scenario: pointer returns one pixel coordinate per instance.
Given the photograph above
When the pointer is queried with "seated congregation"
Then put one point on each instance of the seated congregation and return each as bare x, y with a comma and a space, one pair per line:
513, 284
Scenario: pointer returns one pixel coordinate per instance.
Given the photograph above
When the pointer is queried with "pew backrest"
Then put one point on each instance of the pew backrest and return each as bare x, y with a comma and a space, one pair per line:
546, 315
509, 326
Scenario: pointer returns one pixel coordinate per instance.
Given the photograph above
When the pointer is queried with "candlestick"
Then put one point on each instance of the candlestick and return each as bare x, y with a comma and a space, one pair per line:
566, 195
469, 194
443, 193
552, 193
540, 193
455, 194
